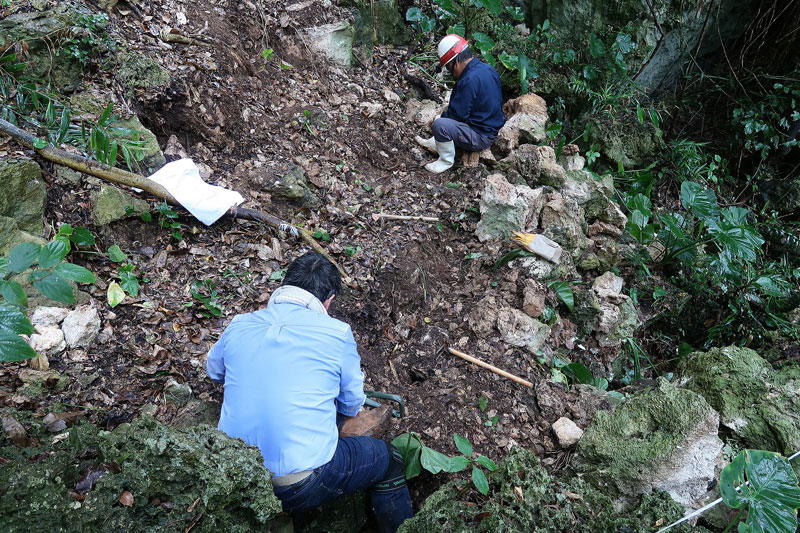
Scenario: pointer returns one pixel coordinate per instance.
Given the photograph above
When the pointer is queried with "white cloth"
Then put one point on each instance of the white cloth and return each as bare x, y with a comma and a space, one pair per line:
206, 202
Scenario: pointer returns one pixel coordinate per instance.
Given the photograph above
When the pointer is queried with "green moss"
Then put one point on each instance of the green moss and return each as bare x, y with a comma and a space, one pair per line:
137, 70
24, 194
523, 497
625, 142
222, 480
619, 447
761, 406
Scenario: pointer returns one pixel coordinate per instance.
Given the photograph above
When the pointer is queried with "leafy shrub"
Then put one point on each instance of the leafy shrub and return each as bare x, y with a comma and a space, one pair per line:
417, 456
49, 276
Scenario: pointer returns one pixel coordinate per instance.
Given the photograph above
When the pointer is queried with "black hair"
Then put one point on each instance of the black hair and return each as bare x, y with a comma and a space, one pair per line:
463, 55
314, 273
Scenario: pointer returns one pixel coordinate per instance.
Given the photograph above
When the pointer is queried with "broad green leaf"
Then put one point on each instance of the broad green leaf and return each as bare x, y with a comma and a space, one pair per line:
39, 143
433, 461
277, 275
579, 373
14, 348
772, 492
463, 445
641, 203
508, 61
495, 6
564, 293
65, 229
699, 200
22, 256
75, 273
115, 295
55, 288
54, 252
413, 14
479, 478
458, 29
596, 46
742, 240
116, 254
82, 236
14, 293
624, 43
488, 463
130, 284
459, 463
483, 42
14, 321
410, 447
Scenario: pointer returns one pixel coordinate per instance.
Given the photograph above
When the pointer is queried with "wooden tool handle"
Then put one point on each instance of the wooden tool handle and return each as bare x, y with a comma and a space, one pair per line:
493, 368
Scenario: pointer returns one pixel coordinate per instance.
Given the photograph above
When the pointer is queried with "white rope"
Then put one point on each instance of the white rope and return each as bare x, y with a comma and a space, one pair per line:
711, 505
291, 229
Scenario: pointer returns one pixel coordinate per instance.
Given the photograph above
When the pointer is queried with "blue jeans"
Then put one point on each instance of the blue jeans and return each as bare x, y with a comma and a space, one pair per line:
358, 463
464, 137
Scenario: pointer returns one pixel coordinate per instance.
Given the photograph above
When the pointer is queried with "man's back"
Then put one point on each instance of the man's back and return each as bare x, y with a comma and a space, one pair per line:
285, 368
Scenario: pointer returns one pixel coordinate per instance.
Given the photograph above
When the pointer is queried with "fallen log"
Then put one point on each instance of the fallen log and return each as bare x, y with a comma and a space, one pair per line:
130, 179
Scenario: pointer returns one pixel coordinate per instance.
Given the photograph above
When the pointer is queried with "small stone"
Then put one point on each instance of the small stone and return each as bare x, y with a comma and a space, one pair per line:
390, 96
54, 423
48, 340
39, 363
48, 316
567, 432
81, 326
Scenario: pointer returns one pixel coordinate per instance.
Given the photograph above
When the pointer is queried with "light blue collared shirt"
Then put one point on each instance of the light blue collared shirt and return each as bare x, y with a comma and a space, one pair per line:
287, 369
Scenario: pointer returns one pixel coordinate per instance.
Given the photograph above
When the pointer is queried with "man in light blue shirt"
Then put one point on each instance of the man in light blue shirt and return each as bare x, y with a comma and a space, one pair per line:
288, 370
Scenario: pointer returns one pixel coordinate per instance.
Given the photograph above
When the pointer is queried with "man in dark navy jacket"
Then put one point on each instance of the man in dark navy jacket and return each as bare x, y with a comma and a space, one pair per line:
474, 115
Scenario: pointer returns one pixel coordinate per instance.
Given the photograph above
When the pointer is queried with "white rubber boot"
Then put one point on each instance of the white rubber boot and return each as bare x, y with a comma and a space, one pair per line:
447, 155
428, 144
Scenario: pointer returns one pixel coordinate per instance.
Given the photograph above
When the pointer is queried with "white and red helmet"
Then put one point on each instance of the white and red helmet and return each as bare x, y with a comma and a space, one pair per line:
449, 47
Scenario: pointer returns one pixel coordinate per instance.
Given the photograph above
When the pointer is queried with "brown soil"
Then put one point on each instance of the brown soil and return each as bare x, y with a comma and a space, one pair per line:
413, 284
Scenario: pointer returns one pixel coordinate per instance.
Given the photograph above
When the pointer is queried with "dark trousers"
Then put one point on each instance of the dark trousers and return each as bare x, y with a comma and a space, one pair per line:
358, 463
464, 137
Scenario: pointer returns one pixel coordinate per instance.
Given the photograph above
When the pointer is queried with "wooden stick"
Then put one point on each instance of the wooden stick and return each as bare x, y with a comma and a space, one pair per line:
387, 216
493, 368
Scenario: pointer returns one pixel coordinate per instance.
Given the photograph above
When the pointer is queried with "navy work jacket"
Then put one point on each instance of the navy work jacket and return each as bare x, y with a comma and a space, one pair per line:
477, 99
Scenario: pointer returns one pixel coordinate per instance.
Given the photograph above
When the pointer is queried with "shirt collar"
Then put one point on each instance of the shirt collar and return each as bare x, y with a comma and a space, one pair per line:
289, 294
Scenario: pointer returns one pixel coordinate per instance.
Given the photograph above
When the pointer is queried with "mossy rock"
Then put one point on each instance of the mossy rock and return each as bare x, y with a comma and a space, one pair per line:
760, 405
24, 194
625, 142
112, 204
153, 158
40, 31
137, 70
662, 438
523, 498
381, 20
11, 235
176, 477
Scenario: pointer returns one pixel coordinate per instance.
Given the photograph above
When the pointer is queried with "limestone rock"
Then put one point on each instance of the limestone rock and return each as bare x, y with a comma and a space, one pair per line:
112, 204
567, 432
609, 286
24, 194
506, 208
526, 118
140, 71
659, 439
11, 235
48, 340
67, 176
760, 405
533, 295
627, 321
571, 158
562, 220
81, 326
292, 185
519, 329
422, 112
333, 41
552, 173
153, 157
528, 163
381, 19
